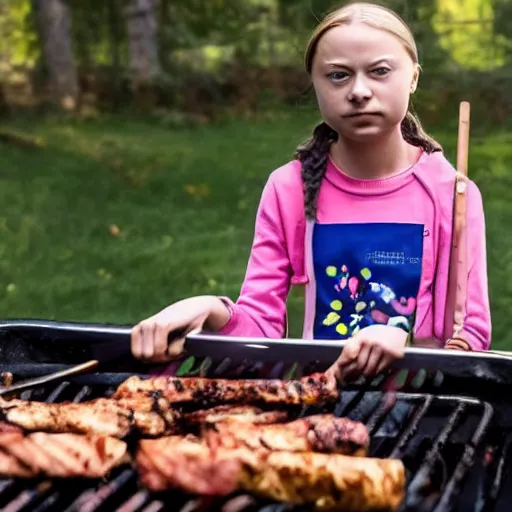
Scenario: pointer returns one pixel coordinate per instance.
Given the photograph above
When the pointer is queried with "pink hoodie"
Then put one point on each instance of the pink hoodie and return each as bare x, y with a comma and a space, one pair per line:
418, 200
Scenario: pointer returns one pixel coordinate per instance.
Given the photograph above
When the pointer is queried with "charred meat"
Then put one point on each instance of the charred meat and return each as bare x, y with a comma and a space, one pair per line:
315, 389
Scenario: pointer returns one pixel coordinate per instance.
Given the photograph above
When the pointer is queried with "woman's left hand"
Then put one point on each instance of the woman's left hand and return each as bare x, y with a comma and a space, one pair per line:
369, 352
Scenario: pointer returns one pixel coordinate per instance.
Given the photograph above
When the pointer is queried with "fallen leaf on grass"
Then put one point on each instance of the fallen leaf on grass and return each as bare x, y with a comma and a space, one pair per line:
114, 230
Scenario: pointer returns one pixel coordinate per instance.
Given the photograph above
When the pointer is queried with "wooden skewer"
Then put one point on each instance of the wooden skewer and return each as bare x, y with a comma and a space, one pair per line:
457, 283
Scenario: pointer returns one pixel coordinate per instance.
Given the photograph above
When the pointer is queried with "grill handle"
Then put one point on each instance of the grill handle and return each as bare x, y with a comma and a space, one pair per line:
104, 342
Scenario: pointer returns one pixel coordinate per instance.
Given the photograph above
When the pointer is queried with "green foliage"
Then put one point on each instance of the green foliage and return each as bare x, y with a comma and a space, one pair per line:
472, 44
503, 26
19, 45
98, 27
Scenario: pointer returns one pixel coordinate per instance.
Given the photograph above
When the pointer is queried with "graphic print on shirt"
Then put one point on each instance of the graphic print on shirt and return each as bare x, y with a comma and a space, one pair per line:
365, 274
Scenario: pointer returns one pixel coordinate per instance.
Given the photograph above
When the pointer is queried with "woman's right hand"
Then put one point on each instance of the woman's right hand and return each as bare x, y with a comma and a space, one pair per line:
150, 338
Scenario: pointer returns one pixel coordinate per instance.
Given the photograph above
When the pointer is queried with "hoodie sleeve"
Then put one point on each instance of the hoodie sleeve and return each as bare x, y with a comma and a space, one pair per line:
260, 310
477, 323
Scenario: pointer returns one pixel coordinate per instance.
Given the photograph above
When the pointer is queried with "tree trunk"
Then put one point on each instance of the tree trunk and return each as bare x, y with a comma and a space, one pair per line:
115, 38
54, 23
142, 28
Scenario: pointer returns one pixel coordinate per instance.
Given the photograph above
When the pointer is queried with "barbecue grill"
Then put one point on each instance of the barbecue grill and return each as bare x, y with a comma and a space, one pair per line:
446, 415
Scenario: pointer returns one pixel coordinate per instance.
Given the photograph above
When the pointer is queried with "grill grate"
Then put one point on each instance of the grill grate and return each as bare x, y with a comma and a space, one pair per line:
456, 458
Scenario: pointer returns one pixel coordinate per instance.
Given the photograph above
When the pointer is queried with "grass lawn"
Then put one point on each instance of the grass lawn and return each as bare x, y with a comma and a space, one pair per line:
183, 202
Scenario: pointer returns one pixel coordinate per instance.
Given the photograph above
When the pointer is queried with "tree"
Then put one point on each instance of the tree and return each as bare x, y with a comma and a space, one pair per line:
142, 29
54, 24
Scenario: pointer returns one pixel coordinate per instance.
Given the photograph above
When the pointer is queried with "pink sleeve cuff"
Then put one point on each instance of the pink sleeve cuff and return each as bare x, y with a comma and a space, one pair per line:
232, 323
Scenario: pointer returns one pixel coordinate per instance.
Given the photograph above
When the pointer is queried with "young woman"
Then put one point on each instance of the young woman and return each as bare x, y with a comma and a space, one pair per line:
362, 217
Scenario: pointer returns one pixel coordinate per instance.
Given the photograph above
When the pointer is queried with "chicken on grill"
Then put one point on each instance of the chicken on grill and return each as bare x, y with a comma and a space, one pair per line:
319, 433
117, 418
59, 455
328, 481
315, 389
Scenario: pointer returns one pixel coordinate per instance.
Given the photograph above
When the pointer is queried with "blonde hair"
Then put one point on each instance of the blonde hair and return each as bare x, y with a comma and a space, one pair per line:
374, 15
314, 152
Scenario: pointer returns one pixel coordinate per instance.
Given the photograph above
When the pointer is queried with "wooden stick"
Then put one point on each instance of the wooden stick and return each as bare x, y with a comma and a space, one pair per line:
463, 138
458, 274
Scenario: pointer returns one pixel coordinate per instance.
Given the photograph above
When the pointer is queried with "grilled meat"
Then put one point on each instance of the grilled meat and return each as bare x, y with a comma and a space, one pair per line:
234, 413
320, 433
186, 463
59, 455
315, 389
329, 481
103, 416
141, 414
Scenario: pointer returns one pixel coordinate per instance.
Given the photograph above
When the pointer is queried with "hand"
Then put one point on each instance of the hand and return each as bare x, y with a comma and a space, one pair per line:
149, 338
369, 352
457, 344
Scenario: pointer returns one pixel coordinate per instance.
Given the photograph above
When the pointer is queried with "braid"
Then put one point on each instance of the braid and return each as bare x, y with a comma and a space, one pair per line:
313, 155
414, 134
314, 152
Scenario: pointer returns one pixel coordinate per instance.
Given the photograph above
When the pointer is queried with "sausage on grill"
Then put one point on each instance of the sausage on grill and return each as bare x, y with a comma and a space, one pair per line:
319, 433
315, 389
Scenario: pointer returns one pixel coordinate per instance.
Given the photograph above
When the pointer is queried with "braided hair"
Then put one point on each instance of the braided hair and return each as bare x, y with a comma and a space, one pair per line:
314, 153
